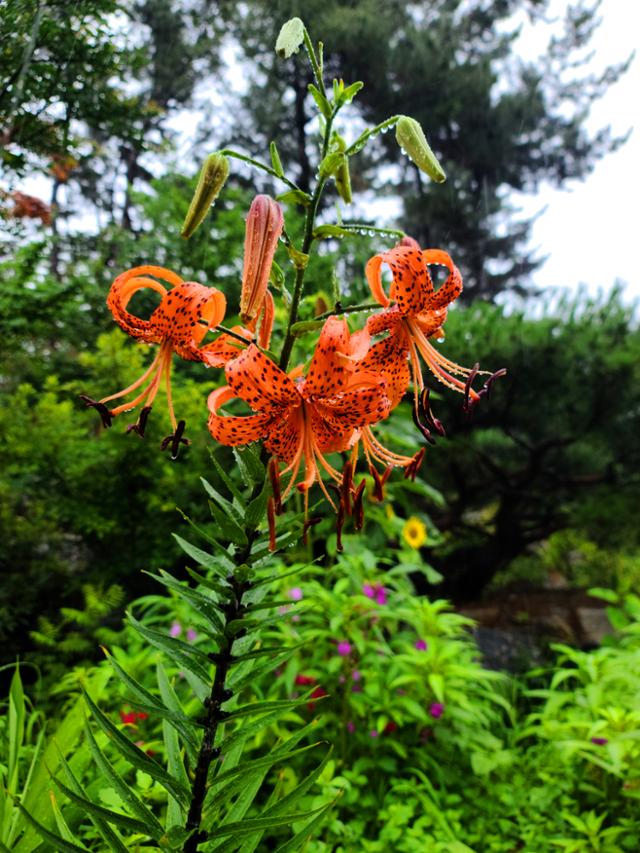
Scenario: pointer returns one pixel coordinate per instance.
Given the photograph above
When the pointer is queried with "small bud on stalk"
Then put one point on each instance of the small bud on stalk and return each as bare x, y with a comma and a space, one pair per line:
213, 176
290, 38
410, 137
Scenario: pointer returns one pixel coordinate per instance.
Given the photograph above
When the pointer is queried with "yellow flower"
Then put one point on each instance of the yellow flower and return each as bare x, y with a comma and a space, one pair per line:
414, 532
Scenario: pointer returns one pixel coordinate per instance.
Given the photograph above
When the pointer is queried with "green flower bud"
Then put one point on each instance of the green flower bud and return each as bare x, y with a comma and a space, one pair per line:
290, 38
212, 178
413, 142
342, 174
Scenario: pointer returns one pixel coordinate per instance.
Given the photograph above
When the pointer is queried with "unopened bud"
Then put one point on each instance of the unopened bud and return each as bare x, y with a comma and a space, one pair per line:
290, 38
342, 174
264, 227
212, 178
413, 142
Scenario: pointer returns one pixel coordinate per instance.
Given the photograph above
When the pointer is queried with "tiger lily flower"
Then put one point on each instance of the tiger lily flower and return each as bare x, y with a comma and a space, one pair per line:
186, 312
302, 418
419, 314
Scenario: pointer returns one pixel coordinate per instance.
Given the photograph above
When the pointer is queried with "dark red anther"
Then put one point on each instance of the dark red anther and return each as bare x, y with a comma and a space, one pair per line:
426, 432
379, 481
358, 506
339, 526
141, 424
347, 485
486, 388
274, 477
412, 469
175, 440
308, 524
101, 409
271, 518
467, 405
429, 417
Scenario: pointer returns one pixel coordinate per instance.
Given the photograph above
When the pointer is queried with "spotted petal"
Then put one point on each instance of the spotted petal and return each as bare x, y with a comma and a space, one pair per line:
259, 382
452, 287
123, 288
185, 315
233, 430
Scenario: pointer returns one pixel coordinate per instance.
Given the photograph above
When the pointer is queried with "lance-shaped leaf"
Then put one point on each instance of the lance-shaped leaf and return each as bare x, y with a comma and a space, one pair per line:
203, 558
59, 844
111, 838
136, 756
184, 655
203, 604
128, 823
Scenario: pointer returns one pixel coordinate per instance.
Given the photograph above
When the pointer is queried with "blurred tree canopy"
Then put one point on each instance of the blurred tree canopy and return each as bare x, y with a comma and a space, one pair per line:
498, 122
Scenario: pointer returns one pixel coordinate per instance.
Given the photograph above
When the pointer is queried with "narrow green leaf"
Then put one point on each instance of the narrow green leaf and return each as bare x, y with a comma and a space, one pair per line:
228, 527
203, 604
249, 462
128, 823
16, 729
276, 162
226, 563
321, 102
113, 840
249, 825
61, 823
258, 763
327, 232
257, 509
290, 799
301, 839
266, 650
350, 92
220, 587
175, 761
177, 718
295, 197
220, 500
124, 790
226, 479
183, 654
203, 558
60, 845
268, 705
136, 756
252, 728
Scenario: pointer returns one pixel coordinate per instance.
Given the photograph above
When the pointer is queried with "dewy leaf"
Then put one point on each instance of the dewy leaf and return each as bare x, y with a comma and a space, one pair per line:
295, 197
202, 558
275, 159
290, 38
321, 101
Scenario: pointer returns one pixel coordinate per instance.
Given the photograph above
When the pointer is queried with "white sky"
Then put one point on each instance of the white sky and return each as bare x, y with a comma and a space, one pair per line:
590, 228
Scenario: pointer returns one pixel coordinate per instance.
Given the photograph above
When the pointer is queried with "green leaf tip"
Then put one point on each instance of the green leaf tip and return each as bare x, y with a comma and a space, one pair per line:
410, 137
290, 37
213, 176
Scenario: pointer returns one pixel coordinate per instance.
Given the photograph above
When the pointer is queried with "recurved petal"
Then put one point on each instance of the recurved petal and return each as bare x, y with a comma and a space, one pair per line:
452, 287
232, 430
373, 272
389, 319
260, 383
329, 366
185, 315
411, 286
123, 288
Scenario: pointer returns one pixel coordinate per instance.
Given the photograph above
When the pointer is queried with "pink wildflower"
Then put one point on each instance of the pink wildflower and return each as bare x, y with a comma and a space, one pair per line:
175, 630
436, 710
421, 645
376, 592
295, 594
344, 648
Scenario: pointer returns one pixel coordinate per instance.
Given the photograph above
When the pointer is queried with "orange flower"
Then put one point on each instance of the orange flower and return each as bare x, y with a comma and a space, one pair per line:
185, 313
302, 419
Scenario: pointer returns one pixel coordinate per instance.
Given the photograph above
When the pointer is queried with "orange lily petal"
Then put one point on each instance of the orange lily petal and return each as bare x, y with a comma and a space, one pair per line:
452, 287
259, 382
224, 348
232, 430
285, 435
388, 358
179, 315
123, 288
411, 286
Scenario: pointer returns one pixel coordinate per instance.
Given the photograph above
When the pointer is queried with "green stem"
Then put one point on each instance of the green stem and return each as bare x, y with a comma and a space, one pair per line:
361, 141
317, 71
228, 152
231, 333
351, 309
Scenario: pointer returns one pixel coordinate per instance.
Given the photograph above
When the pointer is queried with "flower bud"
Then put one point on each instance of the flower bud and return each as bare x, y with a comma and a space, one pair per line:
212, 178
290, 38
413, 142
264, 227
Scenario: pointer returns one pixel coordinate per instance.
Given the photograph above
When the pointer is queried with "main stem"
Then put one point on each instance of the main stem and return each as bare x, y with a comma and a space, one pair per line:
219, 694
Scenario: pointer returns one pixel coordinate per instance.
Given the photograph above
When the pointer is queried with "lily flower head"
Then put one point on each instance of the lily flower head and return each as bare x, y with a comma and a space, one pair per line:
301, 418
417, 316
186, 312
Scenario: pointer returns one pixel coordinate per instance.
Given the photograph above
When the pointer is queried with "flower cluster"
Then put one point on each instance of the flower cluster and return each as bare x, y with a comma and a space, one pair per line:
353, 381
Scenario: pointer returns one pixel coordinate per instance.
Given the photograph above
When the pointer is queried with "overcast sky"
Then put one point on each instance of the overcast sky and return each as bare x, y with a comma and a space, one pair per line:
590, 228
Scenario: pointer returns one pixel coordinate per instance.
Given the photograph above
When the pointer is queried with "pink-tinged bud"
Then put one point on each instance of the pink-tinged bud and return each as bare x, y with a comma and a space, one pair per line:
409, 242
264, 227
